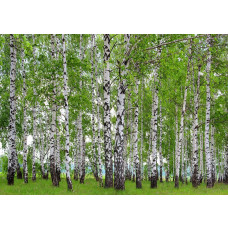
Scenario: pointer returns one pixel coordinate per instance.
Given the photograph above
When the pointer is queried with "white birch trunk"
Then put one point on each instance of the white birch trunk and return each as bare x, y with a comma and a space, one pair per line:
212, 155
160, 145
94, 157
155, 127
107, 121
195, 174
207, 124
226, 164
80, 117
98, 124
58, 161
12, 123
135, 141
53, 122
34, 142
66, 106
141, 149
25, 120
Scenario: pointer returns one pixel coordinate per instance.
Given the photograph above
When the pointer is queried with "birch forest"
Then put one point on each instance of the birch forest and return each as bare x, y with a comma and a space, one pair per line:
114, 111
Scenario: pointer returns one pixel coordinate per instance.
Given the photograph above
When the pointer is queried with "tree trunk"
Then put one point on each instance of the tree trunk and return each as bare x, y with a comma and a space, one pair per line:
94, 166
119, 178
34, 116
76, 153
207, 124
141, 133
66, 106
155, 126
82, 178
175, 158
54, 177
107, 121
226, 165
135, 141
12, 124
98, 121
195, 175
25, 146
58, 161
160, 145
212, 156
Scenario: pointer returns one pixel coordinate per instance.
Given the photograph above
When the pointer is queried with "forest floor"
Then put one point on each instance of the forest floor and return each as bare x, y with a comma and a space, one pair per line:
91, 187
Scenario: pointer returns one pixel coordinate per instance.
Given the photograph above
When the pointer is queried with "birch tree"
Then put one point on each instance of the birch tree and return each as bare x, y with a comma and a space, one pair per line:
208, 108
66, 106
12, 124
25, 146
53, 122
107, 122
34, 115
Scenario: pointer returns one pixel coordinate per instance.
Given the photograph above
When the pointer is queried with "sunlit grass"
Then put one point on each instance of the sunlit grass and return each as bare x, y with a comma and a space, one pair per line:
91, 187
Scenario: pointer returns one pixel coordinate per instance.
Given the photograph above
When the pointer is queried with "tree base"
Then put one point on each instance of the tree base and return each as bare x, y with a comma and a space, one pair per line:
176, 182
153, 183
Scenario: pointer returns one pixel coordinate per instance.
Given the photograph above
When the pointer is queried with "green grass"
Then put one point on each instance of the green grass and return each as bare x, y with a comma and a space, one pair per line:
91, 187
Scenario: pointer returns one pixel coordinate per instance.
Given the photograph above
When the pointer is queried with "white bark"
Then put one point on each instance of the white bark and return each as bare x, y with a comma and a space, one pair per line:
141, 149
66, 106
195, 176
34, 142
98, 124
80, 116
207, 123
160, 145
155, 126
25, 120
107, 121
53, 122
135, 140
94, 157
12, 125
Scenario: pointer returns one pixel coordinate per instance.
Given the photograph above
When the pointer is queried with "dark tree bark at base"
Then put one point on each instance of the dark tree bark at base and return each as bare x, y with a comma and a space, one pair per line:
195, 181
96, 176
161, 174
82, 180
76, 175
10, 176
58, 173
119, 186
138, 178
176, 182
133, 178
109, 179
225, 179
69, 184
19, 173
209, 183
54, 177
157, 174
153, 183
45, 176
